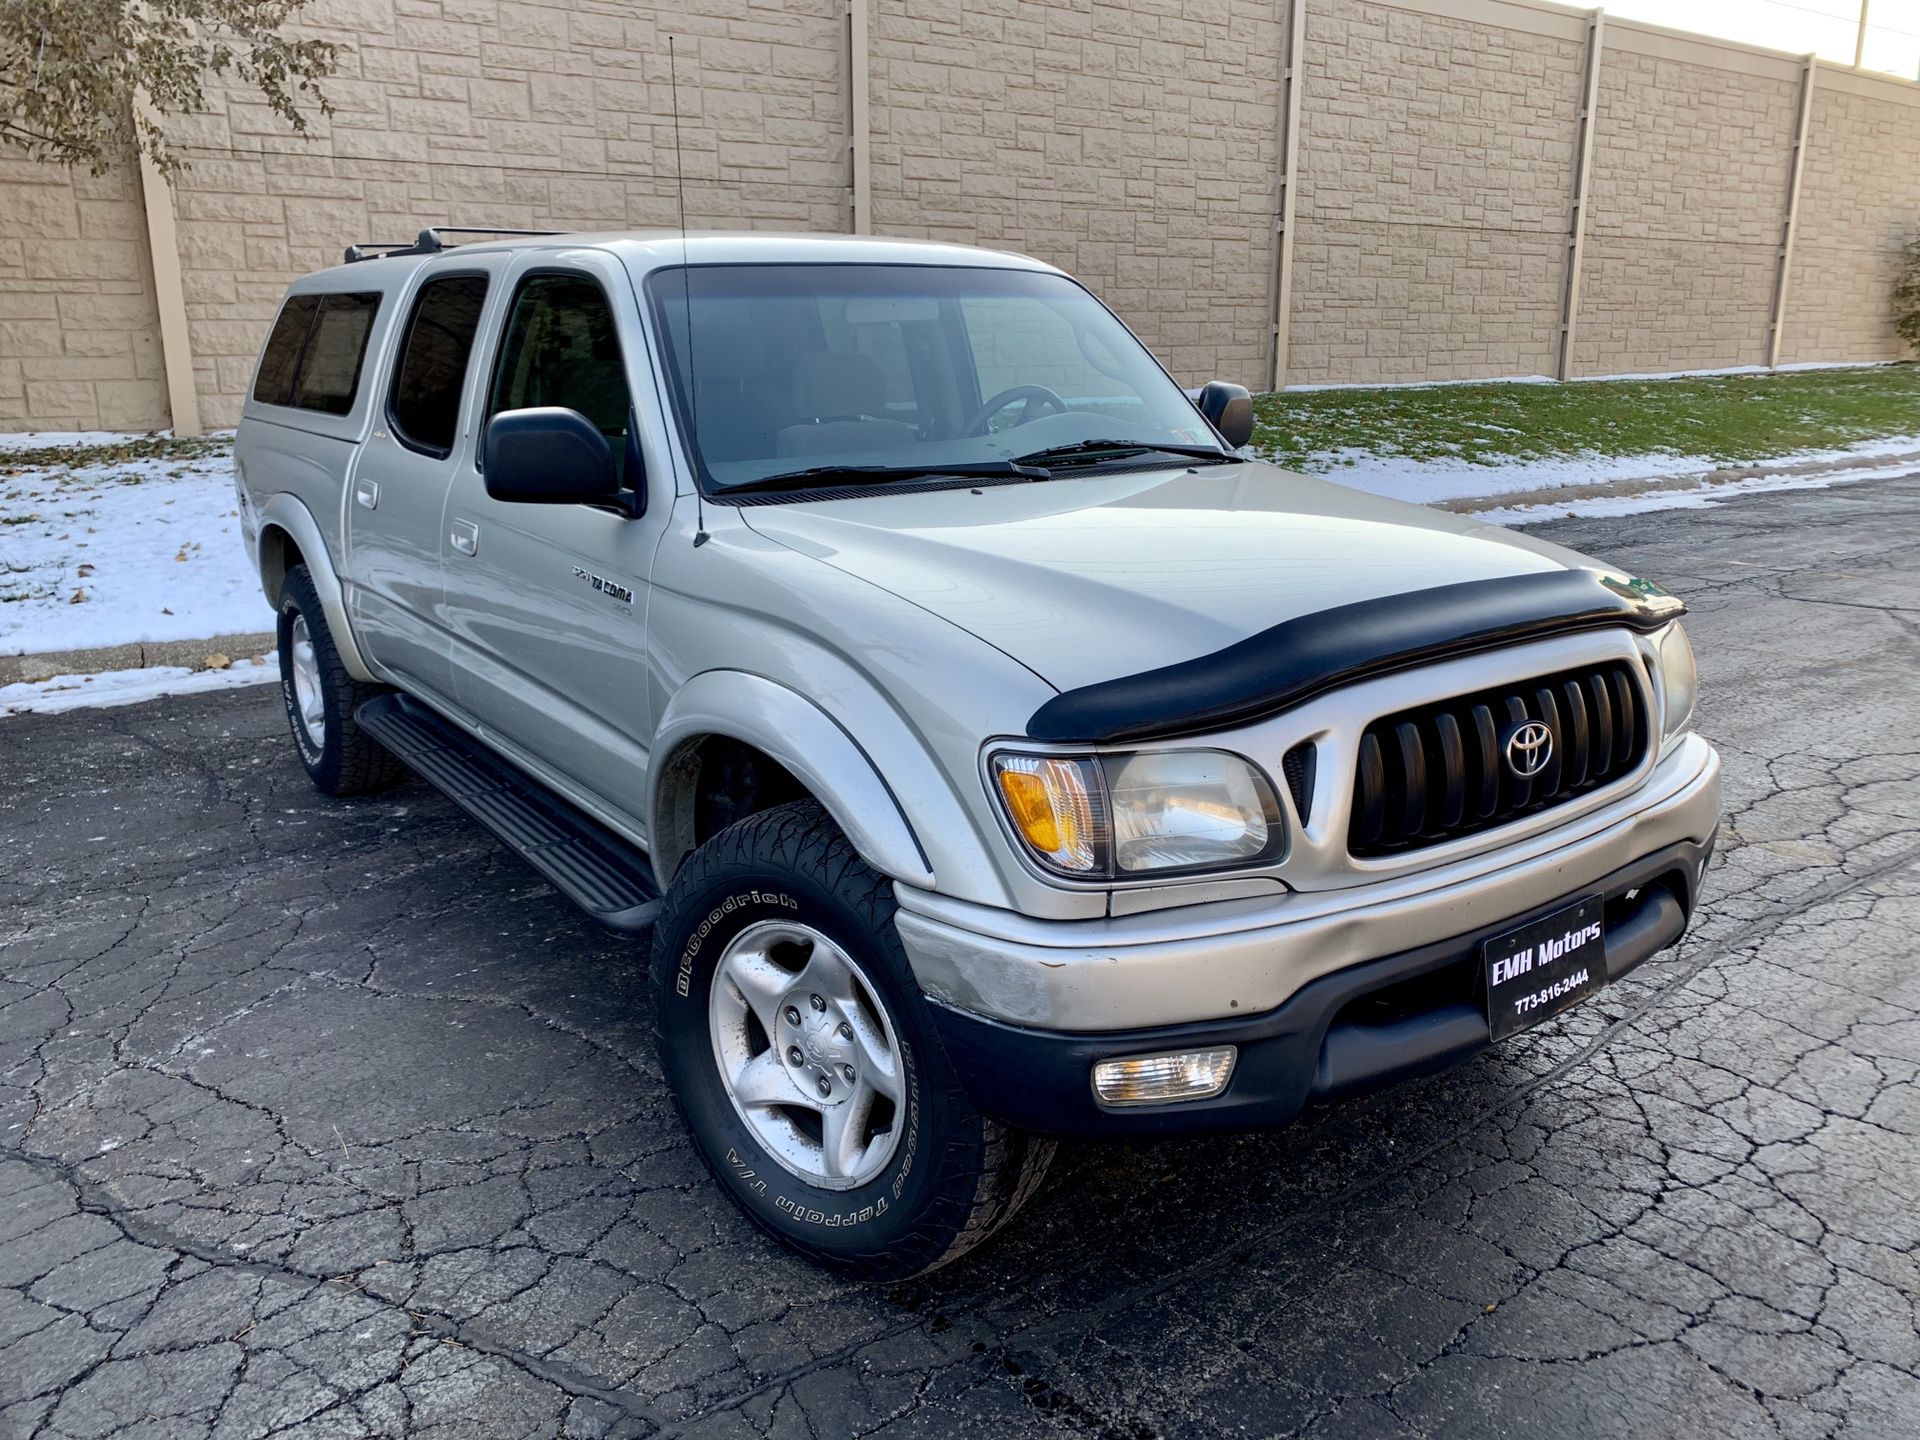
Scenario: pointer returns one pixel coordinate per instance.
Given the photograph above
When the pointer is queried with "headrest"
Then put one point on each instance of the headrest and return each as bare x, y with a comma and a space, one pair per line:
727, 348
838, 385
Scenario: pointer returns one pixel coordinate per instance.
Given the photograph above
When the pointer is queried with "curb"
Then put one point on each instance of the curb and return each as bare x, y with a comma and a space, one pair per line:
135, 655
1652, 484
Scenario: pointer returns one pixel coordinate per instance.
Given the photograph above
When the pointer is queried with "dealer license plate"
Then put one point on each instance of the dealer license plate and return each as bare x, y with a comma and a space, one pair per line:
1545, 967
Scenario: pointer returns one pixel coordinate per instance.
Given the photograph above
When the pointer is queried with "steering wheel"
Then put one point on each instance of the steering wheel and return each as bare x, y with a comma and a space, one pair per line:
1032, 395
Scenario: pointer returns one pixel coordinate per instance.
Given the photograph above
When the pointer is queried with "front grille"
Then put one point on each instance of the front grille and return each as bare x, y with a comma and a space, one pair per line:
1298, 764
1439, 772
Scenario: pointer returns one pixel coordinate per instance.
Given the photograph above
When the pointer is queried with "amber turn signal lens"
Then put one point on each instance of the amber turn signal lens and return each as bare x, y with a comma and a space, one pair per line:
1058, 807
1031, 809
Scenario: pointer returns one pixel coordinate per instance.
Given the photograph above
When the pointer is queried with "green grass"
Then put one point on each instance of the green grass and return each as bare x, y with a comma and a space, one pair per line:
1732, 419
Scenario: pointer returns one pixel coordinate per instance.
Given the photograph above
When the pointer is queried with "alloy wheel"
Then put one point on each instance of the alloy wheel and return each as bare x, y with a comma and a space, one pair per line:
807, 1054
309, 701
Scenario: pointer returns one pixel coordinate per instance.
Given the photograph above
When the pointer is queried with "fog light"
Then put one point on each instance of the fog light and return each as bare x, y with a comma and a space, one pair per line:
1158, 1079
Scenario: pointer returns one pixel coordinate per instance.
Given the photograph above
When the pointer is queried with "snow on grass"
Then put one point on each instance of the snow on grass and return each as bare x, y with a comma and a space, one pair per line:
1429, 481
130, 687
120, 539
1698, 497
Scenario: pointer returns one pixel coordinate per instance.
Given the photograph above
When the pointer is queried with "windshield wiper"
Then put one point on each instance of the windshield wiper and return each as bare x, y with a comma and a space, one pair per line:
817, 475
1092, 450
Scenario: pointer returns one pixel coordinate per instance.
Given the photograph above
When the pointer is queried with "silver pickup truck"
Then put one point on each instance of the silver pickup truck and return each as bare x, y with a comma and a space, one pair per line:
992, 751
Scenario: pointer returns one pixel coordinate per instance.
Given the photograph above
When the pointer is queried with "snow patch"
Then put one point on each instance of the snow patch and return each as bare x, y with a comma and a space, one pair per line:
1426, 482
1699, 497
122, 551
129, 687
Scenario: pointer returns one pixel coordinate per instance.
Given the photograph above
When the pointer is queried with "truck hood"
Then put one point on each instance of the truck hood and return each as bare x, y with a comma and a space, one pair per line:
1085, 579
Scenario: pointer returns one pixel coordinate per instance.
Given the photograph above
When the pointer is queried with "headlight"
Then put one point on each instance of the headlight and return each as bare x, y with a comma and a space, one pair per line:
1678, 679
1105, 816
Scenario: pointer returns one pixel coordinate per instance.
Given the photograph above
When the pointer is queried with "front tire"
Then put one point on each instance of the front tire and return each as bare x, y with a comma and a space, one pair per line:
799, 1052
340, 758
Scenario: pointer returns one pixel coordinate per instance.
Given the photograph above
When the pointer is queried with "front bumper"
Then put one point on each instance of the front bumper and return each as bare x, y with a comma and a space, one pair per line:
1368, 1025
1236, 958
1324, 993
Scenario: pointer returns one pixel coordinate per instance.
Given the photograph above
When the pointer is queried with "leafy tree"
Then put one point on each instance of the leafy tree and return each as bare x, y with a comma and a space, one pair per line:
70, 69
1906, 293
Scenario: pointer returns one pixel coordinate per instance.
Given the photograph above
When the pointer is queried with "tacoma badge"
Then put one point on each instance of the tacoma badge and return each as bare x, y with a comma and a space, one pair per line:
605, 586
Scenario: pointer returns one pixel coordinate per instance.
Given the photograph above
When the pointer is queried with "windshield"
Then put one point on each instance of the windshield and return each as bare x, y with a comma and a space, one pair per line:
802, 367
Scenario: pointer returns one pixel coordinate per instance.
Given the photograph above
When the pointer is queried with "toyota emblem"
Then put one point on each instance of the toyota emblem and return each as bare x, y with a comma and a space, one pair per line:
1529, 748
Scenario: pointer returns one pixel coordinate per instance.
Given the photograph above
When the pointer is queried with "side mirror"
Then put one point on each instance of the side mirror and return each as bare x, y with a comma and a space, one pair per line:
548, 456
1229, 408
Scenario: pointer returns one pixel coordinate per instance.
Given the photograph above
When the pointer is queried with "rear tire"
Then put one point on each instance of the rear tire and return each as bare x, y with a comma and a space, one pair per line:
340, 758
777, 916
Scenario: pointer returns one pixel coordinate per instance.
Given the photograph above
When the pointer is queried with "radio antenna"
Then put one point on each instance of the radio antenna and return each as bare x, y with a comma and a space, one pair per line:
700, 536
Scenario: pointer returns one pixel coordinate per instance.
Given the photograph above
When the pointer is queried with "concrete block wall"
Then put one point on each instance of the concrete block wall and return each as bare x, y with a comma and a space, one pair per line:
1135, 143
1436, 173
1132, 144
1859, 202
79, 330
555, 115
1686, 205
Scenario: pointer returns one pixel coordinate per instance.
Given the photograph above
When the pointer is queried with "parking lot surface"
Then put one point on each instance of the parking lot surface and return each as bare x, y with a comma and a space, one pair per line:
330, 1119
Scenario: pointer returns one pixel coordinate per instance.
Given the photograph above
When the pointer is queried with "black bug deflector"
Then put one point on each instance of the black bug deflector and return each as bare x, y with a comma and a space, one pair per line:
1301, 658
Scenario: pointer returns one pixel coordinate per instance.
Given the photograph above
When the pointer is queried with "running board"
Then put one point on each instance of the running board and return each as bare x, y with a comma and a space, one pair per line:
601, 873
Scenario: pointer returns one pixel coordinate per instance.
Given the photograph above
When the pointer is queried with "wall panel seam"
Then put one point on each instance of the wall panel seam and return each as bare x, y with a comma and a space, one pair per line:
1582, 183
1291, 78
169, 294
1796, 169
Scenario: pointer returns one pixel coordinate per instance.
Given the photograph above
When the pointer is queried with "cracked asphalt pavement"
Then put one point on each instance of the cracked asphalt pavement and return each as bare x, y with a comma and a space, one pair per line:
329, 1119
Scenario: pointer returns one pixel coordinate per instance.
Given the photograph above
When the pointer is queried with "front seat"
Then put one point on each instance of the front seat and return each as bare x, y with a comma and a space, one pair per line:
843, 396
736, 409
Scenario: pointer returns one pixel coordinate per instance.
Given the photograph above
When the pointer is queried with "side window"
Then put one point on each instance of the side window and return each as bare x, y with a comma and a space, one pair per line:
425, 406
280, 362
330, 370
560, 349
313, 357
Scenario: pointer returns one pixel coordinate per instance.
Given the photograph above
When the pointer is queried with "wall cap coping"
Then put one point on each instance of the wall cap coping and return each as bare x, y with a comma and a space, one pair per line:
1569, 22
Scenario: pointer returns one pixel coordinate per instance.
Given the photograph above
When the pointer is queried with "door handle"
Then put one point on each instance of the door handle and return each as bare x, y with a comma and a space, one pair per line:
367, 493
465, 537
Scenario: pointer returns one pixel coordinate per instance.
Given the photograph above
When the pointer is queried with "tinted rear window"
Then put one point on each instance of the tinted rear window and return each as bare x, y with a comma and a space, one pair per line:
313, 357
281, 362
330, 371
433, 361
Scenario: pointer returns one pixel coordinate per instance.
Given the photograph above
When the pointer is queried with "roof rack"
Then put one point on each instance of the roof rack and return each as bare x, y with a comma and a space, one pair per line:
428, 242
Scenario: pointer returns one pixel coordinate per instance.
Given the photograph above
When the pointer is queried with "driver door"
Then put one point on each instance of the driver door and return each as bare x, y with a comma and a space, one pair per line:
548, 602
